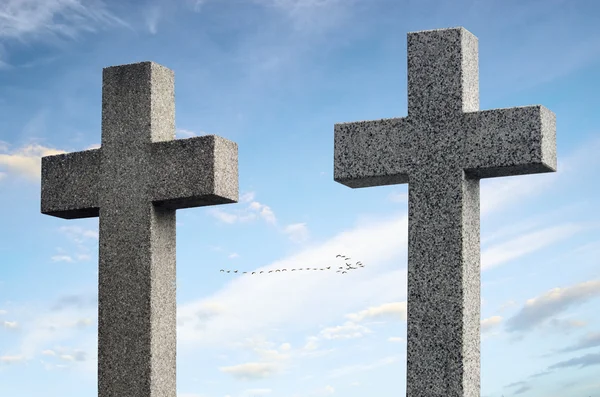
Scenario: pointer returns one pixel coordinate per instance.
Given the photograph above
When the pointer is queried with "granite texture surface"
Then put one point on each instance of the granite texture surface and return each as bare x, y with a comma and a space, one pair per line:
442, 149
134, 183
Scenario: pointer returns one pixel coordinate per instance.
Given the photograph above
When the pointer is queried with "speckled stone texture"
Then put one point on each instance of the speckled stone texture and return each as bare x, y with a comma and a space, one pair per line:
442, 148
134, 183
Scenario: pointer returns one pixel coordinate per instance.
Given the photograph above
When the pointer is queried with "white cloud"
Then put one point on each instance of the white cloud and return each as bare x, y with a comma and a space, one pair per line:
526, 244
186, 133
256, 392
11, 359
26, 162
247, 304
546, 306
349, 330
311, 343
252, 211
361, 368
249, 371
10, 324
499, 193
297, 232
391, 310
247, 197
489, 323
61, 258
78, 233
264, 211
63, 323
399, 197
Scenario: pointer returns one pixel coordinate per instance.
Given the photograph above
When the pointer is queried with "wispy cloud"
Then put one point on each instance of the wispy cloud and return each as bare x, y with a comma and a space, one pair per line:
526, 244
297, 232
588, 341
253, 210
51, 20
581, 362
539, 309
152, 15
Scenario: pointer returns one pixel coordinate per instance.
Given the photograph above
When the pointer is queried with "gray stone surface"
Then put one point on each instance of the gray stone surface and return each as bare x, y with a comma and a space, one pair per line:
134, 183
442, 148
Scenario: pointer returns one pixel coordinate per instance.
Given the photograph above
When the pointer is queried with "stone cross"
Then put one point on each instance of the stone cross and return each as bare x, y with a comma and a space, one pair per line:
134, 183
442, 149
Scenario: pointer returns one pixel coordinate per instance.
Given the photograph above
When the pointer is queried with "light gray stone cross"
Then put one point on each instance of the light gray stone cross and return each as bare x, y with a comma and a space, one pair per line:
441, 149
134, 183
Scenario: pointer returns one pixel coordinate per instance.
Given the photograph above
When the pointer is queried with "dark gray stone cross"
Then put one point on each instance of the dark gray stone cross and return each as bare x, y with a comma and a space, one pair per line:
134, 183
441, 149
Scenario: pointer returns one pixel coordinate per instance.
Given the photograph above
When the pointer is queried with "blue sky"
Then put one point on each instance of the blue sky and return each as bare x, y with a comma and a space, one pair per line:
275, 76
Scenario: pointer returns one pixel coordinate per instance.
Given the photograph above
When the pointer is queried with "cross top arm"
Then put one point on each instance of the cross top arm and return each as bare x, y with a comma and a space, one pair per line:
186, 173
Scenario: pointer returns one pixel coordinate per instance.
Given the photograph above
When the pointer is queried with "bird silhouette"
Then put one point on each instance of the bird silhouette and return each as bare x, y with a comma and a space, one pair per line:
341, 269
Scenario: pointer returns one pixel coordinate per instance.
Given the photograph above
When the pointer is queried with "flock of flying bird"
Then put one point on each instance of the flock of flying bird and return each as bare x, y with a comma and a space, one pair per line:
341, 269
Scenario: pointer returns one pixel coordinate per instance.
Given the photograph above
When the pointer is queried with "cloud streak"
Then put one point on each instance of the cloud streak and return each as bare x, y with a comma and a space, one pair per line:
52, 20
544, 307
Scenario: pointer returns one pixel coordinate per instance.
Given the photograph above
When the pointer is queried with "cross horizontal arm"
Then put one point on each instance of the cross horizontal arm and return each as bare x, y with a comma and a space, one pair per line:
512, 141
194, 172
372, 153
69, 184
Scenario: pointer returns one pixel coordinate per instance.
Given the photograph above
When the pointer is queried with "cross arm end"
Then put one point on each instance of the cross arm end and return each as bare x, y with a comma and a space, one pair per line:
511, 141
69, 184
195, 172
372, 153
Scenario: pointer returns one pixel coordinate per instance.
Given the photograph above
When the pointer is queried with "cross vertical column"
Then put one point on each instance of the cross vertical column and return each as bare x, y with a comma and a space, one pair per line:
137, 342
443, 291
443, 301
